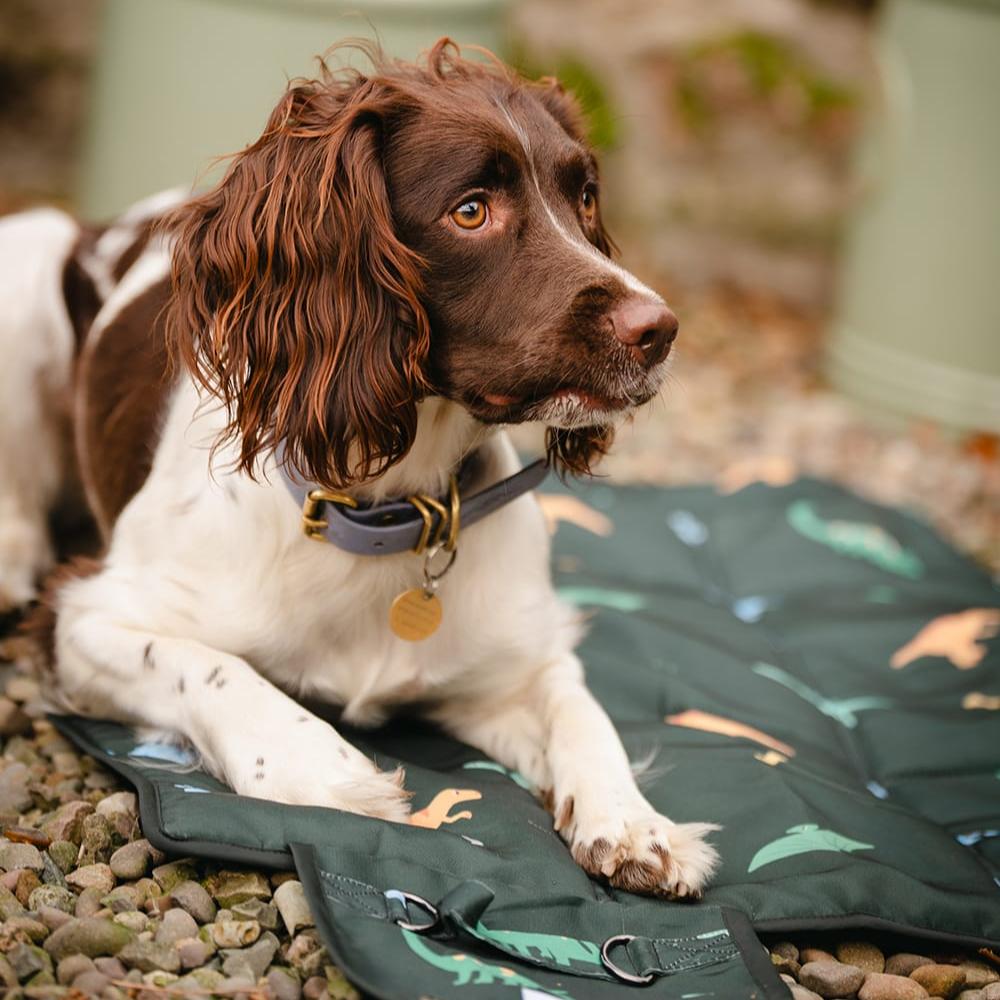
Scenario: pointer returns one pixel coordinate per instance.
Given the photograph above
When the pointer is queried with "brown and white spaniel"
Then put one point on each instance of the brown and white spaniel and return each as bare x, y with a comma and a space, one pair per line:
405, 261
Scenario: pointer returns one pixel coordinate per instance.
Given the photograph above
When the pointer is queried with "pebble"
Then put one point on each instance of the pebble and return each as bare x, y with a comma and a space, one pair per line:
9, 904
13, 722
123, 898
229, 887
119, 802
133, 920
111, 967
20, 856
91, 984
808, 955
266, 914
284, 984
970, 995
176, 925
52, 874
193, 898
97, 876
72, 966
944, 981
255, 959
290, 899
95, 840
21, 689
831, 978
991, 992
26, 835
148, 956
27, 883
132, 860
89, 902
905, 962
173, 873
786, 950
978, 974
7, 975
63, 854
193, 953
53, 918
66, 823
25, 926
314, 987
234, 933
91, 936
14, 795
27, 960
862, 954
882, 986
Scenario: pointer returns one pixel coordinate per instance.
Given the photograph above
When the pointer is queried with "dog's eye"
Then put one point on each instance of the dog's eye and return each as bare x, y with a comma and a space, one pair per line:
588, 202
471, 214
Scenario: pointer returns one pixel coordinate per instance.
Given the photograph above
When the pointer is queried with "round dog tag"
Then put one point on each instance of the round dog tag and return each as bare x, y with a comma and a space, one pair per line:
415, 614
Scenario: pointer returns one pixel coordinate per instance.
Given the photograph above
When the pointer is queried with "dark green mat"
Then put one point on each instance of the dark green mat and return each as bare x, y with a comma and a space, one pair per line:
851, 640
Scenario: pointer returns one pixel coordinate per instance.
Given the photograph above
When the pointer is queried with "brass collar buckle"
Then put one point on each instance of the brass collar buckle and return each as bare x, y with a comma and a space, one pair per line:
312, 525
449, 518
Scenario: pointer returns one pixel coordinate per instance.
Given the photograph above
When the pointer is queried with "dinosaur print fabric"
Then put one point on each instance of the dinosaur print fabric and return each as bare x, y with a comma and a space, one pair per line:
818, 675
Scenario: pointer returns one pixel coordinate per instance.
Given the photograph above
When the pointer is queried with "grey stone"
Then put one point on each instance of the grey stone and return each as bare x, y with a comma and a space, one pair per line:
52, 874
27, 960
90, 936
831, 979
904, 962
290, 898
20, 856
111, 967
193, 898
26, 926
95, 840
173, 873
89, 902
53, 918
119, 802
176, 925
132, 860
71, 966
884, 986
193, 953
266, 914
14, 795
66, 823
91, 984
229, 887
133, 920
991, 992
52, 895
147, 956
314, 988
256, 958
123, 898
284, 984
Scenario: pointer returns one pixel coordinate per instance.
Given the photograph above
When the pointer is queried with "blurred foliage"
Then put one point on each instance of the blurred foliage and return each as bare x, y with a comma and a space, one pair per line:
581, 81
769, 70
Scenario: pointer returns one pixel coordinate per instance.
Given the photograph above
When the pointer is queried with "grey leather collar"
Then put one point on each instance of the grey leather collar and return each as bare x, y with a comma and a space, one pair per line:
395, 526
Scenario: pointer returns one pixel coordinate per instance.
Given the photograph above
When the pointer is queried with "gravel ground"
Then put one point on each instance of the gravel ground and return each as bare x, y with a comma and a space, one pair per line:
89, 908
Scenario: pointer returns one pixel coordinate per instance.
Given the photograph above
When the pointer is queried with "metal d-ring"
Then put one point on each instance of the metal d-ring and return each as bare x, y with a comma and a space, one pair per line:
431, 578
418, 901
625, 977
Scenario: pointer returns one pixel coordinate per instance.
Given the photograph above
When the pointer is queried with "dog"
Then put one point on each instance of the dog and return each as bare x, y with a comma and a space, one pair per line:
405, 261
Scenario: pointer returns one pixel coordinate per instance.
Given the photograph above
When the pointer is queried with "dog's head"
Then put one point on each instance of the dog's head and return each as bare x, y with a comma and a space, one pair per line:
419, 230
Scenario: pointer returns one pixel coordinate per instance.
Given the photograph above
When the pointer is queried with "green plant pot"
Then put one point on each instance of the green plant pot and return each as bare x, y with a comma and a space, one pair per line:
179, 82
918, 332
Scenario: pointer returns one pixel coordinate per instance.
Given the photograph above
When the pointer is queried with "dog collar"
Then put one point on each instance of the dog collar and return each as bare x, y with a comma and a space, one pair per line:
395, 526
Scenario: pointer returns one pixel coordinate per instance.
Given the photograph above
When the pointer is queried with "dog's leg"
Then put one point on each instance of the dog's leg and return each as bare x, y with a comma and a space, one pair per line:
250, 734
36, 354
611, 829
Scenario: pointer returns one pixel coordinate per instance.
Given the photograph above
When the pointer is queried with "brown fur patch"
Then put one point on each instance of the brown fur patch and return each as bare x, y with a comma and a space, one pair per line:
79, 291
123, 383
590, 857
565, 814
39, 625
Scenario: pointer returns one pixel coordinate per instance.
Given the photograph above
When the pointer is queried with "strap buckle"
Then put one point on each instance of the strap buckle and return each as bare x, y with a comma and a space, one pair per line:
313, 526
616, 971
448, 518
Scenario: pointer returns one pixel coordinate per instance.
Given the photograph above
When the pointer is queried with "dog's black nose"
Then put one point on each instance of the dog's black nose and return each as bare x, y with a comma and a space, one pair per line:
646, 328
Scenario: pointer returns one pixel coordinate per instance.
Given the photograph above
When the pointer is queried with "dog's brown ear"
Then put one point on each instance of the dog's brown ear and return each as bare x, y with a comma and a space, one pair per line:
294, 302
566, 110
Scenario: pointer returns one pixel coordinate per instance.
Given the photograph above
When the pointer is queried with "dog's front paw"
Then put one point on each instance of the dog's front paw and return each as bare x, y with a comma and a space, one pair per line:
647, 854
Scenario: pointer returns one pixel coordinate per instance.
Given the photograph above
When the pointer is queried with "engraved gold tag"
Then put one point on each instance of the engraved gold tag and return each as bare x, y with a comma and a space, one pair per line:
415, 614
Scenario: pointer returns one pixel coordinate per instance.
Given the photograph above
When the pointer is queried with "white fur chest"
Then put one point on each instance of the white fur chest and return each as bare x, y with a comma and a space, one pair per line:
231, 567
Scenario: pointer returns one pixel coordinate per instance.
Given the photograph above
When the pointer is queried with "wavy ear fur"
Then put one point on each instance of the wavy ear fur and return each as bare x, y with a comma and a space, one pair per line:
294, 303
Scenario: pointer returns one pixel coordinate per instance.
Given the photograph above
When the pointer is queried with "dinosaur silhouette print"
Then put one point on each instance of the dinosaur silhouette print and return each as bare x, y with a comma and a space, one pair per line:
770, 470
469, 970
438, 811
843, 710
976, 699
557, 507
856, 540
804, 839
958, 638
693, 718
